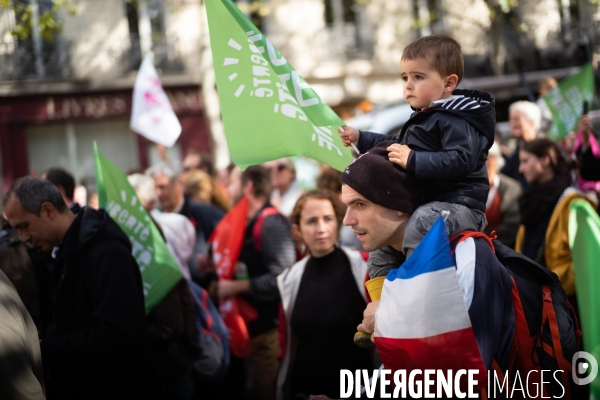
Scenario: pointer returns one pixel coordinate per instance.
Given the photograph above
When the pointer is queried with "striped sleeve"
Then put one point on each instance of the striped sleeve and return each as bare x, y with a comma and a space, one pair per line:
279, 253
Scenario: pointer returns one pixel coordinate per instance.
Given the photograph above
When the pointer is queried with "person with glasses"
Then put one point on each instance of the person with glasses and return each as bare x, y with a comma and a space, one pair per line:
286, 189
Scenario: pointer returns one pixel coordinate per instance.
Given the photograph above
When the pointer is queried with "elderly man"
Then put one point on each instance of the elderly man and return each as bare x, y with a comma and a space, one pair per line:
381, 197
178, 231
97, 345
171, 199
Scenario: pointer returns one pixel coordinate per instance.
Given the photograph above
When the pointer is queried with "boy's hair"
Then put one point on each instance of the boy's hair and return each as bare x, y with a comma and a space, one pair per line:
441, 51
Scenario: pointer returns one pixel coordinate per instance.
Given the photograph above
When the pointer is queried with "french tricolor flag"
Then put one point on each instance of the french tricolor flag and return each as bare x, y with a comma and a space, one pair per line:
422, 320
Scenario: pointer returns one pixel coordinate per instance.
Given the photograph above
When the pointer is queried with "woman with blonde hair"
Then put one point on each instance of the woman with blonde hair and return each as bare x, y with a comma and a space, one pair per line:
199, 185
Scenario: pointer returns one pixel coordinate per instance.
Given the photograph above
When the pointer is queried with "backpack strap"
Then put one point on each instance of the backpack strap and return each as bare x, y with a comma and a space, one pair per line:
260, 220
464, 235
578, 332
204, 302
550, 315
499, 373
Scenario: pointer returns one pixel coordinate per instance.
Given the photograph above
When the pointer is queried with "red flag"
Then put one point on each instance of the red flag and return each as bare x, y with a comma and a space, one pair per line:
227, 240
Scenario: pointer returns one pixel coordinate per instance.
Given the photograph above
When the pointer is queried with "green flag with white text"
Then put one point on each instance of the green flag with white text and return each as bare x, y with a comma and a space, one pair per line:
159, 269
584, 242
566, 101
269, 111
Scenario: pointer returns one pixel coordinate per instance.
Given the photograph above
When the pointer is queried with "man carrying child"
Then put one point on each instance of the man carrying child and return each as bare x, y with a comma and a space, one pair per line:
445, 143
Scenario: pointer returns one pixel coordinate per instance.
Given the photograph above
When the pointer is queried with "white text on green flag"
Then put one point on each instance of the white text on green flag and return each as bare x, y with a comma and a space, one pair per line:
159, 269
269, 111
566, 101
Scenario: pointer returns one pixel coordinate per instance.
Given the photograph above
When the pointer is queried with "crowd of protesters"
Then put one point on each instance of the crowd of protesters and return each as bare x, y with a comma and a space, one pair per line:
72, 299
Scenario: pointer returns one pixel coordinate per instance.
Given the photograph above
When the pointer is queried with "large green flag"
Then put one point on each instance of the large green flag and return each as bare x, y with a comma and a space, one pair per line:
160, 271
584, 241
269, 111
566, 101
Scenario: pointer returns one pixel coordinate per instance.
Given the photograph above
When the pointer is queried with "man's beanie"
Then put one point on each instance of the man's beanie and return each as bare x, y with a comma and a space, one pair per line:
384, 183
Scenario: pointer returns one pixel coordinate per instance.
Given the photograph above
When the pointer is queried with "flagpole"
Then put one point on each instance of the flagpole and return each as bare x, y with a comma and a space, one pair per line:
341, 130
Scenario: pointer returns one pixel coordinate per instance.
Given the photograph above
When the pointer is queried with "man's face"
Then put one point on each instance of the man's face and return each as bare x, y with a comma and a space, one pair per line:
422, 83
167, 192
34, 230
374, 225
281, 174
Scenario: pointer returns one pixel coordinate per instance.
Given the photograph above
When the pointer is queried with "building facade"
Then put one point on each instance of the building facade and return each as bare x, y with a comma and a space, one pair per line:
57, 95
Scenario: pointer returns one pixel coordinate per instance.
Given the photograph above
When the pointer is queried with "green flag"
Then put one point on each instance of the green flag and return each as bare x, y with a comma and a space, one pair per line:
160, 271
269, 111
584, 241
566, 101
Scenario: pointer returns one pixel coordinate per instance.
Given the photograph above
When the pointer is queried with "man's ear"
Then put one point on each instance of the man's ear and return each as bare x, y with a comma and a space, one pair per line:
48, 211
400, 213
451, 83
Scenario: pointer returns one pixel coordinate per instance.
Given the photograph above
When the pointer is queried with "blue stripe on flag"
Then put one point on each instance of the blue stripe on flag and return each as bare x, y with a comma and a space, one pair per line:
432, 254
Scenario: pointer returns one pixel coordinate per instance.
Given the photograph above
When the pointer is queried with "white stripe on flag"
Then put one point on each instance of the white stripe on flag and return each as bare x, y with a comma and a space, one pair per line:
465, 269
427, 305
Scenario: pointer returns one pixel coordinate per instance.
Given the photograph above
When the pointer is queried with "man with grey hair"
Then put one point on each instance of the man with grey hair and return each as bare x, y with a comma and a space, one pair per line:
204, 217
525, 119
96, 346
178, 231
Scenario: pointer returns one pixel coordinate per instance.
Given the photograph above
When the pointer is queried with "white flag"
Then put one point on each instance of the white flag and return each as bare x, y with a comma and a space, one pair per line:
152, 115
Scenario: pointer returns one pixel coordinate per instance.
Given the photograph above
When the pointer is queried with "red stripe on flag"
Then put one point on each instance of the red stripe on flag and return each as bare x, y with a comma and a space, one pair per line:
454, 350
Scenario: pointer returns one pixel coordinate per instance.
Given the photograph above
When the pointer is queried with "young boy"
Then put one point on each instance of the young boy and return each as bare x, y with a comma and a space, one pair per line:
445, 142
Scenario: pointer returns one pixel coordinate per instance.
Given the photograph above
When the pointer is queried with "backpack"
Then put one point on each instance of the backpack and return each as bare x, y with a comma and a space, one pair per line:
212, 336
260, 220
547, 333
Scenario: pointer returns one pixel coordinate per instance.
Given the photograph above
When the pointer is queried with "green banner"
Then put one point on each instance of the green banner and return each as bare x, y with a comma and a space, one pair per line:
269, 111
584, 241
160, 271
566, 101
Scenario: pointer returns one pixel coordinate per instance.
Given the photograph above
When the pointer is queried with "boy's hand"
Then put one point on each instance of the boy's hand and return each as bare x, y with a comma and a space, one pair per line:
398, 154
349, 135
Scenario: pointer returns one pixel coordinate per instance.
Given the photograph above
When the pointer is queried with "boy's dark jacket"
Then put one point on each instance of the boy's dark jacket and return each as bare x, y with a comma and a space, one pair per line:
451, 146
97, 346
